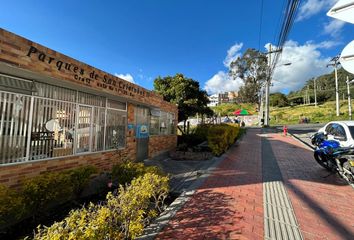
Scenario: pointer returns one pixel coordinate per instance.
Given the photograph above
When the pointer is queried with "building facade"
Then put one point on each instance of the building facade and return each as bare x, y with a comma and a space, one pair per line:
213, 100
58, 113
219, 98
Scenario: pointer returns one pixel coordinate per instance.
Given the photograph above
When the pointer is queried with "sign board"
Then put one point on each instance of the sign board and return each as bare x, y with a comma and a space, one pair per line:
347, 57
343, 10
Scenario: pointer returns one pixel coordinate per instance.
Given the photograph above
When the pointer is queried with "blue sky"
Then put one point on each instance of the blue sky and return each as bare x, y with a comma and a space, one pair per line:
142, 39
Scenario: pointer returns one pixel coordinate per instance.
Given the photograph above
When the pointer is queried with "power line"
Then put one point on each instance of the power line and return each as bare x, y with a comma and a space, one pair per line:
260, 27
289, 18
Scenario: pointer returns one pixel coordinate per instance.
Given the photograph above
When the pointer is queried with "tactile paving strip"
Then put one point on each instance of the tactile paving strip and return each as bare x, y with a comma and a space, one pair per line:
279, 218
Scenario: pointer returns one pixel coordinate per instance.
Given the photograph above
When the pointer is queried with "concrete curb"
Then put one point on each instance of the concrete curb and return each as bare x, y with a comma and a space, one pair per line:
303, 142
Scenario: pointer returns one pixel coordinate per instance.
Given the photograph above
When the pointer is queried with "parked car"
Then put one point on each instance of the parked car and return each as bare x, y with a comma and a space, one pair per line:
342, 131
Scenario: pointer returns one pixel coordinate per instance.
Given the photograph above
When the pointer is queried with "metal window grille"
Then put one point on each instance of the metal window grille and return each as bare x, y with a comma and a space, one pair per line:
55, 121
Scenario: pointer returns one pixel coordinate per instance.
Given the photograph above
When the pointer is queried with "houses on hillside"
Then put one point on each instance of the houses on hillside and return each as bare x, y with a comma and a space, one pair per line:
219, 98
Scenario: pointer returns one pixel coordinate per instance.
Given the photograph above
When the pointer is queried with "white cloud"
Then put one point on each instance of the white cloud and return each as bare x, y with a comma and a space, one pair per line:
128, 77
221, 82
306, 62
312, 7
327, 44
232, 54
333, 27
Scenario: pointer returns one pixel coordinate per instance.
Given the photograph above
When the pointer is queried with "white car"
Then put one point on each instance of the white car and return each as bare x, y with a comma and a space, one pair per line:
342, 131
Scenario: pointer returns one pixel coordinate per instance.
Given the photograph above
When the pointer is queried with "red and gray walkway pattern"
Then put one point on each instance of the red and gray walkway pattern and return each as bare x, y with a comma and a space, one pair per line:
267, 187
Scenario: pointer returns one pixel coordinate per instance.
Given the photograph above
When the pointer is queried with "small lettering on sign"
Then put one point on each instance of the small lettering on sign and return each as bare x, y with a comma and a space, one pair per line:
40, 136
88, 76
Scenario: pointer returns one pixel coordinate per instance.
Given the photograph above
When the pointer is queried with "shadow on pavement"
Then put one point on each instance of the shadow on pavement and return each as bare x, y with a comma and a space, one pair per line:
190, 221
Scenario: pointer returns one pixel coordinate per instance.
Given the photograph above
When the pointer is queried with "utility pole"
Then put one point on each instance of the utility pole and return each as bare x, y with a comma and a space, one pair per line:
349, 100
334, 62
266, 117
314, 89
261, 108
308, 94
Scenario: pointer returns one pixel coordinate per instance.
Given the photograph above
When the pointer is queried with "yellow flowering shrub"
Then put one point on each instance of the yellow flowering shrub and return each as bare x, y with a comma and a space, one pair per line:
122, 216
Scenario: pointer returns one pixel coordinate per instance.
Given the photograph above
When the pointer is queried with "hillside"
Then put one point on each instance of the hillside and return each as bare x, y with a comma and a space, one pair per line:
322, 113
325, 86
229, 108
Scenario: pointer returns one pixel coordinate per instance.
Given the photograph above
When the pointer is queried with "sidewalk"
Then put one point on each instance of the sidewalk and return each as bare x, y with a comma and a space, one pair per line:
268, 187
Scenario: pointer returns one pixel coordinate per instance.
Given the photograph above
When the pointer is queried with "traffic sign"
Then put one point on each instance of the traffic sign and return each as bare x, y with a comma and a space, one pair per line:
347, 57
343, 10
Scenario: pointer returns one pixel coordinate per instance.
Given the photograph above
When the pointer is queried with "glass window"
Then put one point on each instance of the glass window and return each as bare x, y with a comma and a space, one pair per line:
52, 132
338, 131
154, 125
116, 104
155, 121
60, 122
115, 129
171, 123
83, 129
14, 119
93, 100
329, 129
98, 129
163, 123
351, 129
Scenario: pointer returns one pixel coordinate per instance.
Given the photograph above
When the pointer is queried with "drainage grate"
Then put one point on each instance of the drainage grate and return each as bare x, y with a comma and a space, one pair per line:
279, 218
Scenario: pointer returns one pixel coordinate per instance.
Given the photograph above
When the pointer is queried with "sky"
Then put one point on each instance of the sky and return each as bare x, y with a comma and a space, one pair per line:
139, 40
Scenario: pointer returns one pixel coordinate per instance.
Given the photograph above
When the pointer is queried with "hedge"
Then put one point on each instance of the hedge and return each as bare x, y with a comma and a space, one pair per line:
122, 216
41, 193
221, 137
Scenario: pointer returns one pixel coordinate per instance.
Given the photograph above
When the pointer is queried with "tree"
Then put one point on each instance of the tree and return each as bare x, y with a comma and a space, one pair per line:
278, 100
252, 68
186, 93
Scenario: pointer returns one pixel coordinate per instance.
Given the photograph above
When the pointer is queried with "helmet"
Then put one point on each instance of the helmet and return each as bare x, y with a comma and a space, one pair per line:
317, 138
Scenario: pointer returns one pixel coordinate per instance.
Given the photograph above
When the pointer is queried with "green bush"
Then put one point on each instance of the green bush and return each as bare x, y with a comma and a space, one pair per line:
80, 177
47, 190
41, 193
199, 135
120, 217
126, 172
221, 137
12, 206
50, 189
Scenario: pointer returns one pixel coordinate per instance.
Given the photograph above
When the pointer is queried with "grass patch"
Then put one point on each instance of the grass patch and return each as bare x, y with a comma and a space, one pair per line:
317, 114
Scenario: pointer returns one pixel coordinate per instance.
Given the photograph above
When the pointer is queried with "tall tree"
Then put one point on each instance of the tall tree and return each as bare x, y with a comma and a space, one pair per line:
252, 68
186, 93
278, 100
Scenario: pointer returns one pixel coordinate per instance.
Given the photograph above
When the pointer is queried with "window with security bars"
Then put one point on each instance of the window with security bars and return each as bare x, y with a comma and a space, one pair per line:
55, 122
162, 123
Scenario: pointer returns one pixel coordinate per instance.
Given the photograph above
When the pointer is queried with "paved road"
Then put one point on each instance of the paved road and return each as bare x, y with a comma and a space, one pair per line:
267, 187
302, 132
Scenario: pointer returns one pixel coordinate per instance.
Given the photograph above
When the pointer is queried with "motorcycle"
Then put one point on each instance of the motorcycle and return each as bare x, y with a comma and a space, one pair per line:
330, 155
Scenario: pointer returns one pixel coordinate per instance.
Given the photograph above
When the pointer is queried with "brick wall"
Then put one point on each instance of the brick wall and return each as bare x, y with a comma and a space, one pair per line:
161, 144
13, 174
21, 53
25, 54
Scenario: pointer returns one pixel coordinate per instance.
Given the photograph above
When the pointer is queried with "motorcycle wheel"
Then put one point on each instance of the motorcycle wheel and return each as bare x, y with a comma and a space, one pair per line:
320, 159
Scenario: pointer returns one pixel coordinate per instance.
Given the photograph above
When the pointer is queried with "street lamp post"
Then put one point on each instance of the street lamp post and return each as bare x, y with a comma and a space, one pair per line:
314, 88
335, 63
349, 100
268, 81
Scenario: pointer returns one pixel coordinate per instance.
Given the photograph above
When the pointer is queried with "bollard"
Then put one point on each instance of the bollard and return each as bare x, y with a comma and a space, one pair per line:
285, 130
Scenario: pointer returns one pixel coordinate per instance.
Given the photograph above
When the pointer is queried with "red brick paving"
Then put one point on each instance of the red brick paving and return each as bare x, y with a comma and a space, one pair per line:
324, 206
229, 203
